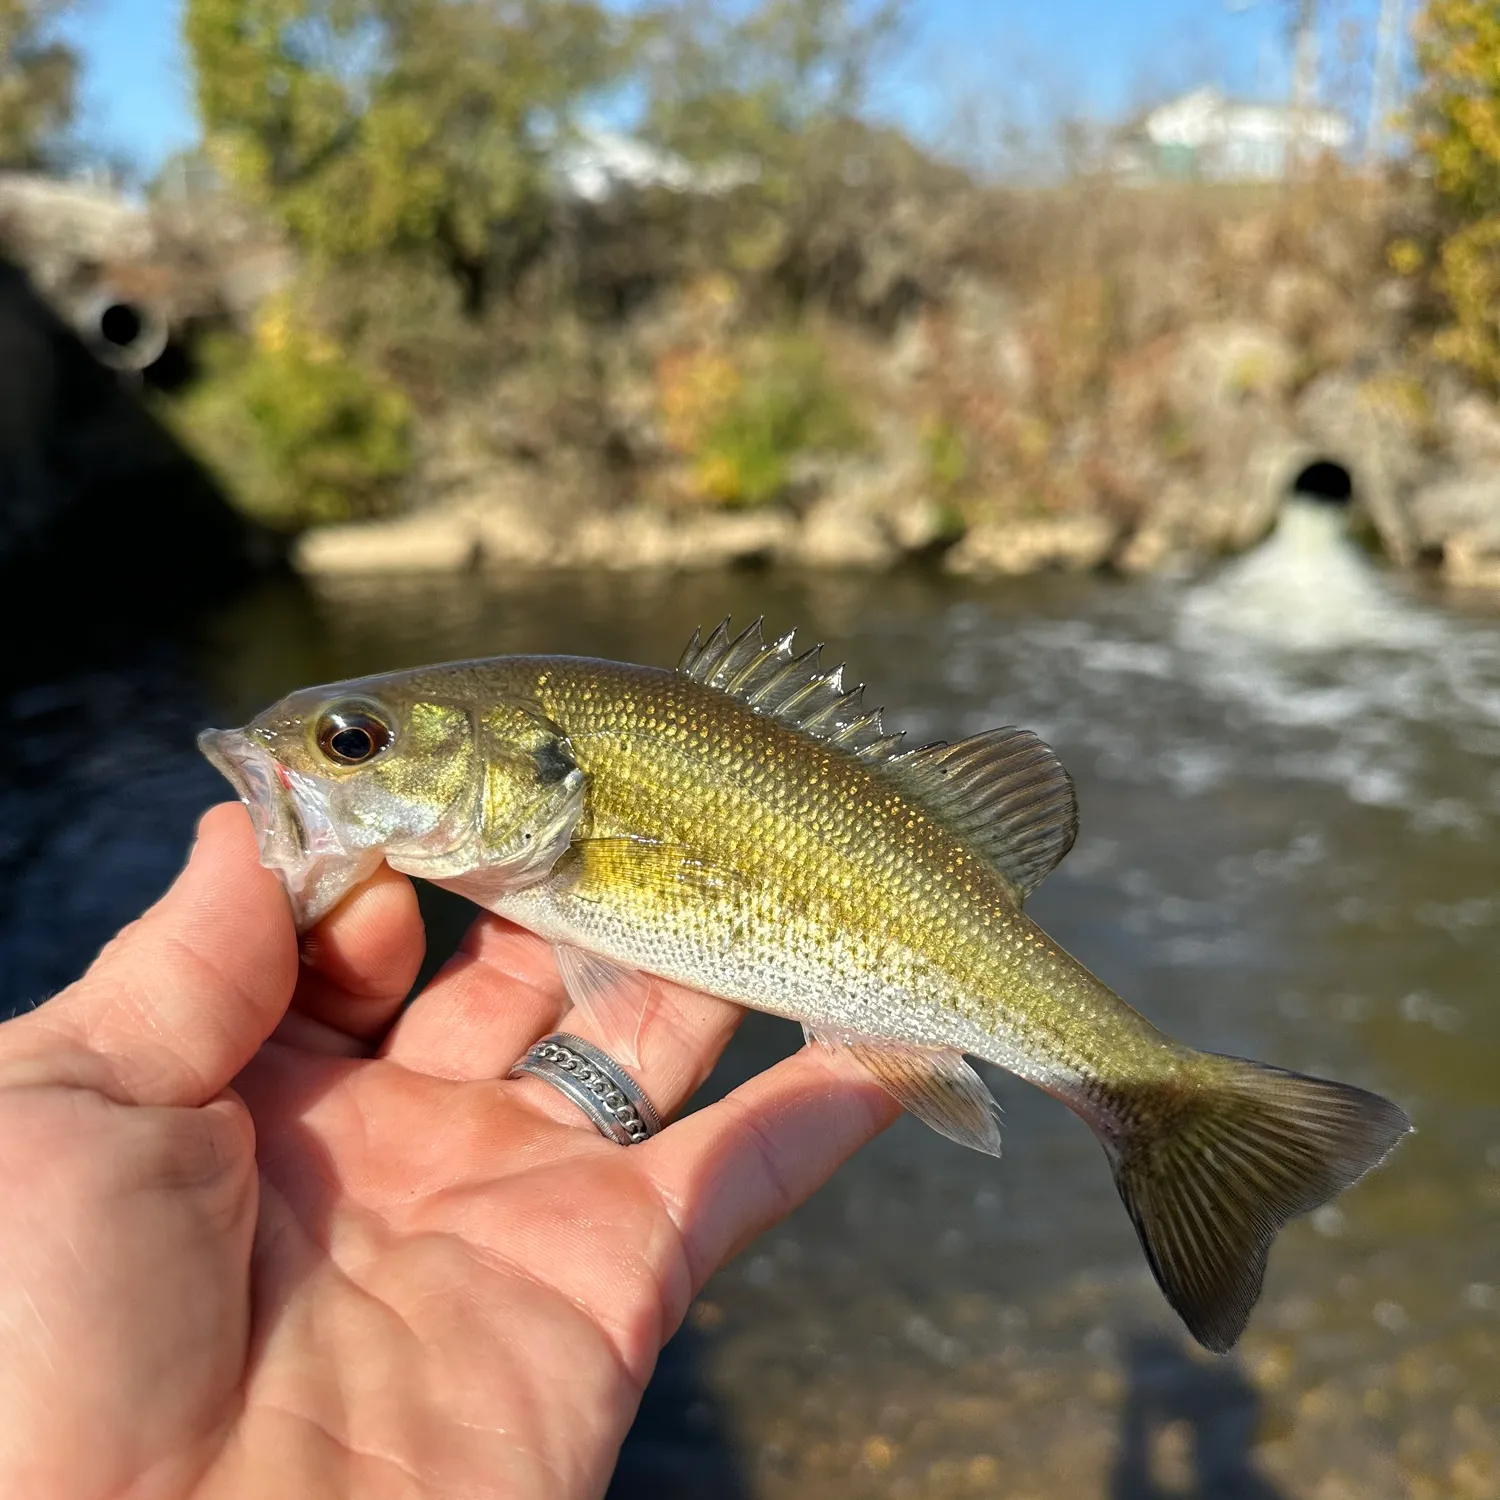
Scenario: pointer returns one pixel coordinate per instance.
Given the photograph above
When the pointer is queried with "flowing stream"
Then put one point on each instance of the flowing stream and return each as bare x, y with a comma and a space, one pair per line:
1289, 789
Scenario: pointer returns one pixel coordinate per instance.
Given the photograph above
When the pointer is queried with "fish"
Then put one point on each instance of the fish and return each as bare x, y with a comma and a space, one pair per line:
744, 826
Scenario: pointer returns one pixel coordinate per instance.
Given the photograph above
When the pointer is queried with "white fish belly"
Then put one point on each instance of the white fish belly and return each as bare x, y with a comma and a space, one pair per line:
782, 977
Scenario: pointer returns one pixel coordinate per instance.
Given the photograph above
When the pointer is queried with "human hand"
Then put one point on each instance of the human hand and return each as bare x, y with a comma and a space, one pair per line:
263, 1236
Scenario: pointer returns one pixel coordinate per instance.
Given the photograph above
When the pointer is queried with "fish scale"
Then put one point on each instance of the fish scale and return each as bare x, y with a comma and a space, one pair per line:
838, 896
744, 826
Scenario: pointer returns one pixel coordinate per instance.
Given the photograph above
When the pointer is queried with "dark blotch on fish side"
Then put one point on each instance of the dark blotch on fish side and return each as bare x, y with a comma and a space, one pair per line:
553, 762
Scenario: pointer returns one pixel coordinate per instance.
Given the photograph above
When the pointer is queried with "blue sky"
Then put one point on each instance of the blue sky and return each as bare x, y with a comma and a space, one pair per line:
970, 66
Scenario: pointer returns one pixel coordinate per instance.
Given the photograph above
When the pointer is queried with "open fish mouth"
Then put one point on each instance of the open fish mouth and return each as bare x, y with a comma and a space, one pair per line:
294, 827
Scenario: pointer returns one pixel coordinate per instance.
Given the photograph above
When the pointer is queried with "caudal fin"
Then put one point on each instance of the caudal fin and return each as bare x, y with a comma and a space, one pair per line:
1211, 1167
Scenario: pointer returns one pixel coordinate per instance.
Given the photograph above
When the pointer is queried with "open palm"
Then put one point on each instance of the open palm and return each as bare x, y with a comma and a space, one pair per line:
261, 1240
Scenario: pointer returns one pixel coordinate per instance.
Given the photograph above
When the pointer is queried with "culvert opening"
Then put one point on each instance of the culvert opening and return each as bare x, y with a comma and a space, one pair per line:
120, 325
1324, 481
123, 334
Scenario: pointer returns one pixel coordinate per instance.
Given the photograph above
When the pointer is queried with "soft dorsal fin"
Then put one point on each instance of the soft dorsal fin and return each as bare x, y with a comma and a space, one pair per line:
777, 682
1003, 792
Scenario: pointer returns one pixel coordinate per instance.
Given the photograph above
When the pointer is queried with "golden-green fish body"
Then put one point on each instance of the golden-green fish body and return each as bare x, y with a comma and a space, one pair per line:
728, 851
742, 826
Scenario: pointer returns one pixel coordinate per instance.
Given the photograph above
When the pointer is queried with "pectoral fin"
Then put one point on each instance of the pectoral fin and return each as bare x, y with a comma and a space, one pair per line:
670, 871
615, 999
934, 1084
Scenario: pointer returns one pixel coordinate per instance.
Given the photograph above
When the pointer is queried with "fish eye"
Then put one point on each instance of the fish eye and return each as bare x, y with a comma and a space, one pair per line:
352, 734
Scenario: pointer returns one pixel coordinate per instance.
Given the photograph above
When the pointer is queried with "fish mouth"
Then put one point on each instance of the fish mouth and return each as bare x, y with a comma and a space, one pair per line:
294, 827
256, 778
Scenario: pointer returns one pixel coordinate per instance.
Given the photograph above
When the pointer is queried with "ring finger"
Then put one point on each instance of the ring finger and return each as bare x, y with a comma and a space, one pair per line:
664, 1036
503, 991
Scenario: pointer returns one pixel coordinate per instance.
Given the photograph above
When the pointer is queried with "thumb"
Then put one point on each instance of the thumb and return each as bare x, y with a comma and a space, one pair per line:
181, 1000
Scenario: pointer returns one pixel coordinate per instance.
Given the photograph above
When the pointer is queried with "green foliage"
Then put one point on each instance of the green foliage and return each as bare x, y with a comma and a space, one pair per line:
785, 405
375, 128
407, 147
945, 447
723, 81
298, 433
1458, 131
38, 75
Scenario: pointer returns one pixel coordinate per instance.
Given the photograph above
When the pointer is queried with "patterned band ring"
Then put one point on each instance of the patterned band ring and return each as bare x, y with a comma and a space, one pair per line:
596, 1083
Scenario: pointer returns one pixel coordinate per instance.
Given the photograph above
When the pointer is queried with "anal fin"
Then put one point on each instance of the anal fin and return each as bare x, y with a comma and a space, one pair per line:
615, 999
933, 1083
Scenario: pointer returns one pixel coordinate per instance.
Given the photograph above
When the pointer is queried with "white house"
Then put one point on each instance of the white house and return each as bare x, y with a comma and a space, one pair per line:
1207, 135
600, 163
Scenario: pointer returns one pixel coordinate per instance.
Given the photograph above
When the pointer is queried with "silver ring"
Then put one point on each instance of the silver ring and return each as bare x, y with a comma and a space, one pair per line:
596, 1083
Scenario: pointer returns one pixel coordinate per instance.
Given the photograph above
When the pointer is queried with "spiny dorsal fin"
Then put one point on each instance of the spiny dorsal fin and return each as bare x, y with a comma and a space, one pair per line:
776, 681
1003, 792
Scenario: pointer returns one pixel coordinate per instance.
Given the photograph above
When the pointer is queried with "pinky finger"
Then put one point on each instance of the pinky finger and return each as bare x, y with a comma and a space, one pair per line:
732, 1170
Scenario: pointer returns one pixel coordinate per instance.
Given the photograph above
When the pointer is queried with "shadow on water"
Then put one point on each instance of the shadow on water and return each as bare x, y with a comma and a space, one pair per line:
680, 1447
1187, 1428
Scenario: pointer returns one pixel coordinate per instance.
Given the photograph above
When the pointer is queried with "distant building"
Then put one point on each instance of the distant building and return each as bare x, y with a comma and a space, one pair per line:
1207, 136
598, 164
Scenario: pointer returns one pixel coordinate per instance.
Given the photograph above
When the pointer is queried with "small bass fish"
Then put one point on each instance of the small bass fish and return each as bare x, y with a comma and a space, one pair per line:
743, 826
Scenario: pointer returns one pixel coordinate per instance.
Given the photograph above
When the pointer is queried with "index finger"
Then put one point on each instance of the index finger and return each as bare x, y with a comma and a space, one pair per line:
359, 962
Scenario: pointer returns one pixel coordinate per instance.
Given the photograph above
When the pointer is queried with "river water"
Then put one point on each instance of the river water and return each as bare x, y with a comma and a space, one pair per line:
1289, 778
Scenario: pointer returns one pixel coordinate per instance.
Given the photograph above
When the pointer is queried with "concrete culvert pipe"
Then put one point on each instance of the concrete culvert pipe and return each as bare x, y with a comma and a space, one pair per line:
123, 333
1324, 480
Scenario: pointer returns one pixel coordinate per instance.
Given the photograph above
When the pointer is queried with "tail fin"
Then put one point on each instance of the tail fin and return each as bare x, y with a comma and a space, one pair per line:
1211, 1167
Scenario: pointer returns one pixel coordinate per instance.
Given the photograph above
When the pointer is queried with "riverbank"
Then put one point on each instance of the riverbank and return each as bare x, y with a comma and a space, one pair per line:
987, 382
1125, 378
1425, 495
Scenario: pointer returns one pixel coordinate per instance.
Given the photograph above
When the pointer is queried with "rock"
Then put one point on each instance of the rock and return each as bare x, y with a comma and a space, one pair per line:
54, 227
1227, 508
1171, 535
1073, 544
514, 511
505, 529
1471, 560
984, 336
917, 524
1227, 384
1220, 366
913, 354
641, 537
845, 526
431, 541
511, 534
1298, 302
1458, 515
1471, 425
1464, 504
1152, 549
866, 514
842, 531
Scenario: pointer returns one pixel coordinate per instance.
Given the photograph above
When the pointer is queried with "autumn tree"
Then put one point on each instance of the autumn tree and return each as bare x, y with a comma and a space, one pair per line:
756, 82
380, 128
1457, 111
38, 73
